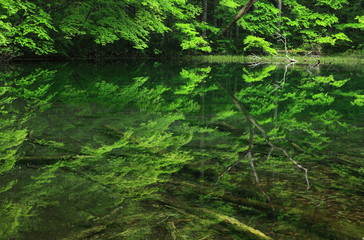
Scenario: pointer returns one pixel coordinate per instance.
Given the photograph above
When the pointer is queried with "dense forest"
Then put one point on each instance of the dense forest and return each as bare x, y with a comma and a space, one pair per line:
181, 119
124, 28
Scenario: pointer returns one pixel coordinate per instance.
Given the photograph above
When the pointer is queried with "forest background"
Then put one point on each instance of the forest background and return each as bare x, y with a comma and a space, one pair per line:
99, 29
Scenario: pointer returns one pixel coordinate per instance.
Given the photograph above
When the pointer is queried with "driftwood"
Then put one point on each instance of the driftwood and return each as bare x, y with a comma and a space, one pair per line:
283, 39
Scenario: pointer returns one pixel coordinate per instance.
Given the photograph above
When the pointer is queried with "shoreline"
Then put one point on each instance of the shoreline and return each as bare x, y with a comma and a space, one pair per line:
248, 59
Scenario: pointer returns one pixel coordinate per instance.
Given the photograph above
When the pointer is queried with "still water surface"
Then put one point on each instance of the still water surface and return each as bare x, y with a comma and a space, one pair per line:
152, 150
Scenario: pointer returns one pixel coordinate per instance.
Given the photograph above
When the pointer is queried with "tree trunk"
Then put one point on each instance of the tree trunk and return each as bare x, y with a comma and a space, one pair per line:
216, 2
240, 14
279, 13
204, 16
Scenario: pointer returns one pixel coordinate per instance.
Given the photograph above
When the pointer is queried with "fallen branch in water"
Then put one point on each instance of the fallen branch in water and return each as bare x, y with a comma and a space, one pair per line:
237, 224
199, 213
86, 234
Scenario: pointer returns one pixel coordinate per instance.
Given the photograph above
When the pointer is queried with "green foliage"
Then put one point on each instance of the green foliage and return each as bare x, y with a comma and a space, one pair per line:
130, 147
358, 25
257, 42
111, 22
196, 77
359, 100
26, 27
262, 21
107, 28
249, 76
332, 3
193, 40
229, 3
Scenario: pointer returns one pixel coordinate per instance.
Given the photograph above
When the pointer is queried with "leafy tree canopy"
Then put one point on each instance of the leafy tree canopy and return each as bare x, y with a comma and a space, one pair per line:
98, 28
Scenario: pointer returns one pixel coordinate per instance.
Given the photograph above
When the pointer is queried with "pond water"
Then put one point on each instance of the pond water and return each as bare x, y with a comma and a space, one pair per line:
154, 150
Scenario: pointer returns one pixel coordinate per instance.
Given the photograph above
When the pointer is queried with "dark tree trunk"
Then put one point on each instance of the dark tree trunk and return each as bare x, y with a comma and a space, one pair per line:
216, 2
204, 16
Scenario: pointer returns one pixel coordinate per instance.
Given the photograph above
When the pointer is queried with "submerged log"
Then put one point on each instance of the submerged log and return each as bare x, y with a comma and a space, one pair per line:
196, 212
237, 225
86, 234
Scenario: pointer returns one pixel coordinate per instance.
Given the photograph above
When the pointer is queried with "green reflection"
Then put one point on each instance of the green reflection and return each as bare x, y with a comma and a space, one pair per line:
101, 151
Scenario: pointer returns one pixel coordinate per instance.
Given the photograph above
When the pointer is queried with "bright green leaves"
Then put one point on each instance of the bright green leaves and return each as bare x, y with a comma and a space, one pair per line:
313, 27
37, 23
263, 20
114, 20
257, 42
193, 39
229, 3
335, 4
102, 27
27, 28
5, 31
111, 22
303, 17
333, 39
358, 25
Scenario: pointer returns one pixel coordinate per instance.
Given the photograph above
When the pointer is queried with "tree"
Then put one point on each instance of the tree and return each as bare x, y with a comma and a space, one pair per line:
240, 14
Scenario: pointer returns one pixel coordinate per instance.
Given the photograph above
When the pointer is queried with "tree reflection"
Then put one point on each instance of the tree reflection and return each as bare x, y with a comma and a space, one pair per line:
128, 155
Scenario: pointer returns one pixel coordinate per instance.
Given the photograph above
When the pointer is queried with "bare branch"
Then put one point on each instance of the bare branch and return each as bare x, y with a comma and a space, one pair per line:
282, 38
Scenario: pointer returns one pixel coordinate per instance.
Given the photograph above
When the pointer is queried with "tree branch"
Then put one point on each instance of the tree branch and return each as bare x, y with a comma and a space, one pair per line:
240, 14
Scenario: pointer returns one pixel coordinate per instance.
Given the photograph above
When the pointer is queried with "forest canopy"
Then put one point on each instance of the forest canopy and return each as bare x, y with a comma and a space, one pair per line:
112, 28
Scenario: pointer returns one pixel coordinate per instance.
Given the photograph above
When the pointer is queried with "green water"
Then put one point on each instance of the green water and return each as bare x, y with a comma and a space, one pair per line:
153, 150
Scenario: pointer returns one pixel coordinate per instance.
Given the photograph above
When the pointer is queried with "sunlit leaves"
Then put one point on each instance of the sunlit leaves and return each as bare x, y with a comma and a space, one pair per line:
26, 27
356, 25
133, 21
262, 21
193, 40
313, 26
229, 3
257, 42
335, 4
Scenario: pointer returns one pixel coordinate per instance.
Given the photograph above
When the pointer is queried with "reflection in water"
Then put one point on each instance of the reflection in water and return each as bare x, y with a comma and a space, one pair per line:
96, 151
